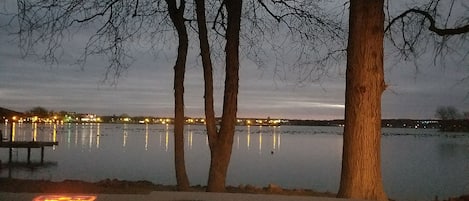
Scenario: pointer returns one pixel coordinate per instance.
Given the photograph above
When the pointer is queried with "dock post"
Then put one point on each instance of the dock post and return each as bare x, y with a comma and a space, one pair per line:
11, 132
10, 155
42, 155
29, 155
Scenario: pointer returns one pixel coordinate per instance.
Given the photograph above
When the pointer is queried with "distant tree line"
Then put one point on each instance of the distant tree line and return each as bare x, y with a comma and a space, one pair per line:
42, 112
452, 120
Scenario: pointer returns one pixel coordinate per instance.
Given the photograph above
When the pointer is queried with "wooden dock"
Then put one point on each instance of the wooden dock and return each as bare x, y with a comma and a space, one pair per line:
28, 145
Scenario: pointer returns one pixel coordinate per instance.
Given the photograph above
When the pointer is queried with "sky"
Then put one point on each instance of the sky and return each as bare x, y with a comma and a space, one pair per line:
146, 87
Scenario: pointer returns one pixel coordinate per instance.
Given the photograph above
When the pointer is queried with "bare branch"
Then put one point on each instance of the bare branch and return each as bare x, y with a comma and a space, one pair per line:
432, 27
297, 36
117, 24
437, 28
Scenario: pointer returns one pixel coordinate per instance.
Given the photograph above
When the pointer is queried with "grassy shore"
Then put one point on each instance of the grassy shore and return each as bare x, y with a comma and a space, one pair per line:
133, 187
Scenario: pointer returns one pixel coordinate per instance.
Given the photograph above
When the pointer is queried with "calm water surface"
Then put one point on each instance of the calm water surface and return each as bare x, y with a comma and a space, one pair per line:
417, 164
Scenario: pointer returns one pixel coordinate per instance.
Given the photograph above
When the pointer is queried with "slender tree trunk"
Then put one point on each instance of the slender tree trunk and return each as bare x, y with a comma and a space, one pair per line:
361, 162
208, 75
222, 153
177, 17
221, 142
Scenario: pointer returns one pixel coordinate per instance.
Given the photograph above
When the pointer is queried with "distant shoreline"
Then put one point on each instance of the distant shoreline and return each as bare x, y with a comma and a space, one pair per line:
457, 125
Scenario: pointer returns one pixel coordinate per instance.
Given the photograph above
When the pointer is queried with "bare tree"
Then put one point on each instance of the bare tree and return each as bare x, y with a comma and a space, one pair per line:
264, 19
451, 119
177, 17
38, 111
435, 26
448, 113
303, 38
361, 162
117, 25
221, 141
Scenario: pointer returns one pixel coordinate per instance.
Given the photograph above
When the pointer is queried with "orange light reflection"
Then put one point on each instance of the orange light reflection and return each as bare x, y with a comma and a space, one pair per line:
65, 198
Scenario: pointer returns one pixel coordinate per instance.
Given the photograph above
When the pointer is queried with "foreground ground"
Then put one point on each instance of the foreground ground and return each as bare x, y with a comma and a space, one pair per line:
145, 187
131, 187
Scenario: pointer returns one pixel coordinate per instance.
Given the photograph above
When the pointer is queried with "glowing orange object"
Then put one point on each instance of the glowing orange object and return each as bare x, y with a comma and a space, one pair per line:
65, 198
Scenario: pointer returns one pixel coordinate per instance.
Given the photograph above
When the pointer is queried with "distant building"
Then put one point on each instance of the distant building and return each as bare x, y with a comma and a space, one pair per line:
89, 118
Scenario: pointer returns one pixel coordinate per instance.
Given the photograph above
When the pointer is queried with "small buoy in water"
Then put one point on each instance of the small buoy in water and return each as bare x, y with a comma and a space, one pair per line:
272, 152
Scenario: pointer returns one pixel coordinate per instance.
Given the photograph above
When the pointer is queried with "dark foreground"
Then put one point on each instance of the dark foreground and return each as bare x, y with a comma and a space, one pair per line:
144, 187
132, 187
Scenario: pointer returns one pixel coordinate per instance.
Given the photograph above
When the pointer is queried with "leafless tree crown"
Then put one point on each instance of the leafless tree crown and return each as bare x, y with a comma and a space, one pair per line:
115, 25
441, 26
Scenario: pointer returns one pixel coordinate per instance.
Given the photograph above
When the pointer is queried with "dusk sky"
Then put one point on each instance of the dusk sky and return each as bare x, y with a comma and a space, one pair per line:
146, 88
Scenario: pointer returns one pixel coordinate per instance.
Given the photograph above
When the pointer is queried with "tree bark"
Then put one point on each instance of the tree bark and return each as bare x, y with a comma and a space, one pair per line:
361, 162
221, 142
208, 75
177, 17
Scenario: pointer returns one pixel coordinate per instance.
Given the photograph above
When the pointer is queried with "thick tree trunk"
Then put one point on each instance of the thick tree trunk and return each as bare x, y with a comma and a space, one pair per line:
177, 17
219, 162
361, 163
221, 142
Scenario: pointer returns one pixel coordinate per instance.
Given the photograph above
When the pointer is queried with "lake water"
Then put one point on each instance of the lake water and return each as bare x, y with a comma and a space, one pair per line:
417, 163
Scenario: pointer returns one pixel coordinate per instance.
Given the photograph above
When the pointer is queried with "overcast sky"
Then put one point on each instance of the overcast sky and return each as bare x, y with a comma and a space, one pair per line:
146, 88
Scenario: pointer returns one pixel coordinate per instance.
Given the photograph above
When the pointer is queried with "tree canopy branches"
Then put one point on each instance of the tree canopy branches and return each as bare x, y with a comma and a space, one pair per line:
113, 24
443, 27
300, 36
432, 27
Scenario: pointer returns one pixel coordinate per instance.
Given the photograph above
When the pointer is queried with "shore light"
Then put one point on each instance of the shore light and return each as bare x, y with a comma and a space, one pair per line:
65, 198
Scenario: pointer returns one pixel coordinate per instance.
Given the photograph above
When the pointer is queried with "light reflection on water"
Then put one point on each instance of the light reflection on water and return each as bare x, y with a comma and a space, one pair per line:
417, 164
